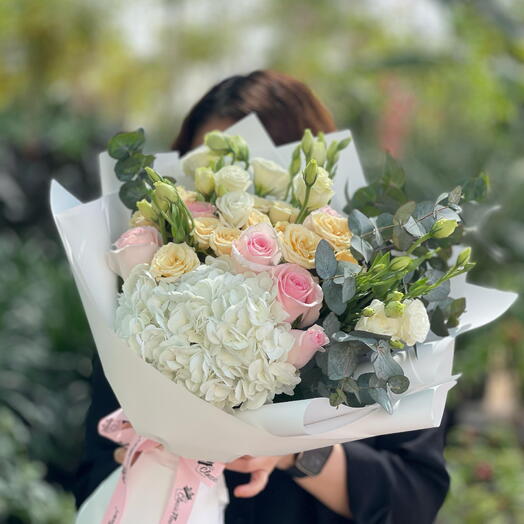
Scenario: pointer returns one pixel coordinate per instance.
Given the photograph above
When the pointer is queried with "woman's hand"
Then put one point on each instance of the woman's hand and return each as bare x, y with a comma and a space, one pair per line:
260, 469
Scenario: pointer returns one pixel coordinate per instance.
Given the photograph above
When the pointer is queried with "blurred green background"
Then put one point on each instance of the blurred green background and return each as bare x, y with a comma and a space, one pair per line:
439, 83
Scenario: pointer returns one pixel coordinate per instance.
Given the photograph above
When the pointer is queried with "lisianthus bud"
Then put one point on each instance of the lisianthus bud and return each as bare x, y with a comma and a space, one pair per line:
379, 267
166, 191
443, 228
400, 263
296, 162
307, 141
368, 312
239, 146
332, 152
394, 295
204, 180
395, 343
464, 257
152, 174
147, 210
318, 152
394, 309
311, 173
216, 141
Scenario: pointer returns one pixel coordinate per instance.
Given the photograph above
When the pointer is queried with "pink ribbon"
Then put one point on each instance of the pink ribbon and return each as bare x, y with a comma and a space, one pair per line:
189, 473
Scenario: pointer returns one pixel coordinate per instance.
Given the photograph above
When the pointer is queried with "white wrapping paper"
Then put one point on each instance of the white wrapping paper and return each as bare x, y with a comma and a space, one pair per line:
87, 232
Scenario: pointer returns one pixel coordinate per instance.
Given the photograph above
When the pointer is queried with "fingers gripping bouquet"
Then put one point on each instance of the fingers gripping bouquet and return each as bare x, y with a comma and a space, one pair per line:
286, 308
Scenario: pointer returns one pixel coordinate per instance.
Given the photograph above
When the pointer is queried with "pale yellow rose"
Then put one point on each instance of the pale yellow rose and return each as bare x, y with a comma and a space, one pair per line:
346, 256
201, 157
321, 192
173, 260
334, 229
299, 245
256, 217
280, 227
262, 204
139, 220
204, 226
186, 195
234, 208
270, 178
222, 238
282, 212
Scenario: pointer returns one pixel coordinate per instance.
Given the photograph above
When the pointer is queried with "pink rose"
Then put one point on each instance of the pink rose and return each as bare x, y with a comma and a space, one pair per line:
307, 343
136, 246
298, 293
328, 210
201, 209
256, 249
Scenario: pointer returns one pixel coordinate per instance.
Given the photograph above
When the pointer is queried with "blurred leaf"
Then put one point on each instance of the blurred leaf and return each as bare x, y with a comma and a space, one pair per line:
131, 192
123, 145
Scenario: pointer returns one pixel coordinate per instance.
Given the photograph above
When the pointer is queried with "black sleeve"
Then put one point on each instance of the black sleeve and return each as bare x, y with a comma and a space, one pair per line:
398, 479
97, 462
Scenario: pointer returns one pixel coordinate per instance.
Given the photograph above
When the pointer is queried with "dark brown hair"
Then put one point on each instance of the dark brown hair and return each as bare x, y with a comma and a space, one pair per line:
285, 106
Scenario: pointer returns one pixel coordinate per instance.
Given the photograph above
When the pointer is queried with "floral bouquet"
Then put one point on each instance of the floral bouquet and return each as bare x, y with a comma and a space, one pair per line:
286, 308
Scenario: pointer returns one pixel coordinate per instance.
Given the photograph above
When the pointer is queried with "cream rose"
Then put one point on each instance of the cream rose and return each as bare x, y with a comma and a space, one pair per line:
186, 195
201, 157
269, 178
172, 261
139, 220
411, 327
231, 178
204, 226
334, 229
321, 192
262, 204
257, 217
282, 212
299, 245
234, 208
221, 239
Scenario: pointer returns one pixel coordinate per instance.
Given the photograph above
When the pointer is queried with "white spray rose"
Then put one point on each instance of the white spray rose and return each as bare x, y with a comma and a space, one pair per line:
235, 208
231, 178
270, 178
321, 192
201, 157
411, 327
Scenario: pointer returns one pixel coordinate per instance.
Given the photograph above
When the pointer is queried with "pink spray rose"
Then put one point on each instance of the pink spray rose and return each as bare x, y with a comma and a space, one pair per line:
298, 293
307, 343
136, 246
256, 249
201, 209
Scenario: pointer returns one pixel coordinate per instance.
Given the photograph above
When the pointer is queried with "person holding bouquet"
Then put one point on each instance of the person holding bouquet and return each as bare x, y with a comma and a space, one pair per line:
398, 478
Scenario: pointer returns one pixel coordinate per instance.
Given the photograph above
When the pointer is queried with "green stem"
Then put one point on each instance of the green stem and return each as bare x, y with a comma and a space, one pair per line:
303, 211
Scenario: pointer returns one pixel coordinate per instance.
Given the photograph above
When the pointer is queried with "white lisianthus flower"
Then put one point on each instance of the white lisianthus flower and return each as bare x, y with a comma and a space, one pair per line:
222, 336
411, 327
234, 208
231, 178
321, 192
270, 178
201, 157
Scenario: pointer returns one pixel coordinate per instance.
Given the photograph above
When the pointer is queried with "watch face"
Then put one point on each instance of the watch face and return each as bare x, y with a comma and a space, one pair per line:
312, 462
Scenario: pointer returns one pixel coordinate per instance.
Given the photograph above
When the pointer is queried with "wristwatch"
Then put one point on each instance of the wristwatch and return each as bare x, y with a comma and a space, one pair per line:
309, 463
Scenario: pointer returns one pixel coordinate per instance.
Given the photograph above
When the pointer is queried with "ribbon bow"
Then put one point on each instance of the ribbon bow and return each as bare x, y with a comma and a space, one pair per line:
189, 473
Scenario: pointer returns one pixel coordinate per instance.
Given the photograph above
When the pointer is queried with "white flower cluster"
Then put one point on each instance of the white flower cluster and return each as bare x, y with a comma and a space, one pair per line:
222, 336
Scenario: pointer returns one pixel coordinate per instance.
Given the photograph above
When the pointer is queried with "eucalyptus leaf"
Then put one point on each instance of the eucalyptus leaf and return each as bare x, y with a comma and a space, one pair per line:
333, 296
385, 365
349, 288
342, 360
381, 396
384, 222
401, 239
325, 261
414, 228
393, 173
438, 323
362, 247
404, 212
331, 324
129, 167
476, 189
131, 192
455, 196
125, 144
359, 224
398, 384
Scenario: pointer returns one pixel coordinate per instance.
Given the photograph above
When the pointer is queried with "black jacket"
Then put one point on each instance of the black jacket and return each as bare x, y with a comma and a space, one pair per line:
393, 479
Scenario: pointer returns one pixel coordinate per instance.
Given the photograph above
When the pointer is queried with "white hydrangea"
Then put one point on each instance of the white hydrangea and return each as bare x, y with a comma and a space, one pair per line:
222, 336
